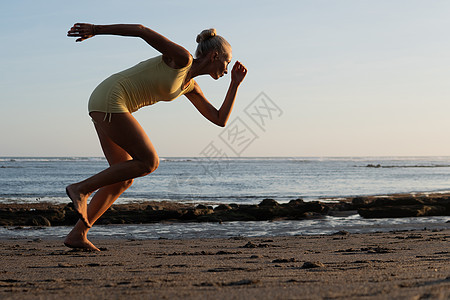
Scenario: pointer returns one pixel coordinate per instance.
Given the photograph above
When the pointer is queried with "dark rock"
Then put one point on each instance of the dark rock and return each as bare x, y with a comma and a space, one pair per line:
40, 221
373, 166
341, 232
342, 206
296, 202
312, 265
284, 260
250, 245
201, 206
403, 211
388, 201
192, 214
44, 214
204, 284
241, 282
361, 201
268, 203
376, 250
414, 236
222, 207
225, 252
397, 206
312, 215
253, 213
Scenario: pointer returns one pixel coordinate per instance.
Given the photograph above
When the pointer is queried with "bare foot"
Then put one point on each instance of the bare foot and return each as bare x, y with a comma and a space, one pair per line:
79, 243
79, 203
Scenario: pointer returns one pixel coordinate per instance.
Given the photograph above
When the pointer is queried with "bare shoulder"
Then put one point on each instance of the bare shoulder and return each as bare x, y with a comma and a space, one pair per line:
196, 90
174, 54
179, 61
196, 94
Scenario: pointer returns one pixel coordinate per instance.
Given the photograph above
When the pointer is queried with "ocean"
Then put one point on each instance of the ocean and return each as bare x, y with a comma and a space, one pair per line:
233, 180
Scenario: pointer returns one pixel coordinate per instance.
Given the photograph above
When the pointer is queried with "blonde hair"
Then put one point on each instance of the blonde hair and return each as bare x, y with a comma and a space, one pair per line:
208, 40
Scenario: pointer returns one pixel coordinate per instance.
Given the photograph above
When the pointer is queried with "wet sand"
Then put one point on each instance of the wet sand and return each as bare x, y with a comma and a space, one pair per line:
400, 265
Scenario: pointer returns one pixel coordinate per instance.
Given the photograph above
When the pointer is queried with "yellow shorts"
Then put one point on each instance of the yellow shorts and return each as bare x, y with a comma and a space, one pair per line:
109, 96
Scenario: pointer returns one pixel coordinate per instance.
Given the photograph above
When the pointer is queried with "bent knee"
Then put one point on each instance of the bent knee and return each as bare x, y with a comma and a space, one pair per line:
123, 185
119, 187
151, 165
127, 183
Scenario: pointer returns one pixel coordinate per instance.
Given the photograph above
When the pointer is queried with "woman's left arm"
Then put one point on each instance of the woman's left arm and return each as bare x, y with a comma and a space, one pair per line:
221, 116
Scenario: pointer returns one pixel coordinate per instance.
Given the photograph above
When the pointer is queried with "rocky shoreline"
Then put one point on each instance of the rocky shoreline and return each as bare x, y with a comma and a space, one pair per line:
392, 206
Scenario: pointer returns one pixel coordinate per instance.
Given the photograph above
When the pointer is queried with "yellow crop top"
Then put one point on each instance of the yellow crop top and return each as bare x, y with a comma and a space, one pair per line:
144, 84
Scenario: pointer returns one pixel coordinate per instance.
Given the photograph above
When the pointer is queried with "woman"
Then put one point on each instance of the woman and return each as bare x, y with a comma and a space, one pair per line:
125, 145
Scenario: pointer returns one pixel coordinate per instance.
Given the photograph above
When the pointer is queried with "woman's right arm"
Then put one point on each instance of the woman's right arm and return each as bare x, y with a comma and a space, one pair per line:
177, 53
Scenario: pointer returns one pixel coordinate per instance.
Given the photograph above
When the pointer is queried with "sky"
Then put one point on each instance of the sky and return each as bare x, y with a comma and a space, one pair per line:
325, 77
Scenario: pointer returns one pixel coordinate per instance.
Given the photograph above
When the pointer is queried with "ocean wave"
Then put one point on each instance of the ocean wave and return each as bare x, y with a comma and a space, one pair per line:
369, 159
49, 159
300, 159
33, 199
10, 167
177, 159
329, 225
238, 159
407, 166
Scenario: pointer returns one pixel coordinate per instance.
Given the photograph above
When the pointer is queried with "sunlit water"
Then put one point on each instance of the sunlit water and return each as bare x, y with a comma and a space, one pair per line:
235, 180
327, 225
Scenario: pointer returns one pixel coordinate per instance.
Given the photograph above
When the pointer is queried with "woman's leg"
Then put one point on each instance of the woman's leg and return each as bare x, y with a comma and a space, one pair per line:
130, 154
103, 198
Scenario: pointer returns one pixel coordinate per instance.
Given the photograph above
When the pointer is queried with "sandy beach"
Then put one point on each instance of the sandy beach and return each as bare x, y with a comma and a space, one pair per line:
393, 265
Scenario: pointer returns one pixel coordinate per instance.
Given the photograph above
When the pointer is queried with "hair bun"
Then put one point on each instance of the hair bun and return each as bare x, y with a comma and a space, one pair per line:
205, 35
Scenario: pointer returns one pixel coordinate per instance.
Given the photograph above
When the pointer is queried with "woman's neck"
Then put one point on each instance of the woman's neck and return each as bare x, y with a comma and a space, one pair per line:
199, 67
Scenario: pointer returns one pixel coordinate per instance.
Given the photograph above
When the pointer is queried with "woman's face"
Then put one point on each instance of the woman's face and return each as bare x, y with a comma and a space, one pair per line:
219, 65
